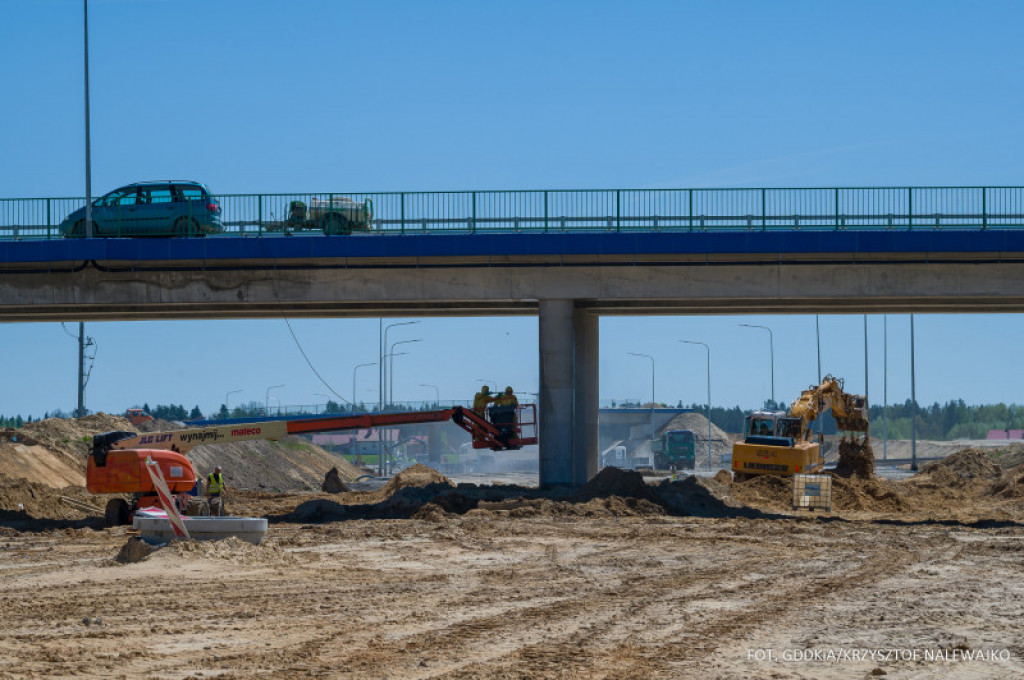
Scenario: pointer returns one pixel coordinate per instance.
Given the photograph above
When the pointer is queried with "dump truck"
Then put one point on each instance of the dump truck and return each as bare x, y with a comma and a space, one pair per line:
675, 448
778, 442
335, 215
117, 460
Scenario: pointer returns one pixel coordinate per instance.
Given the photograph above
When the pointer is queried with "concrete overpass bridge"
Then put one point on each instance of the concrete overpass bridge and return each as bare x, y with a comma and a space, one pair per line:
568, 279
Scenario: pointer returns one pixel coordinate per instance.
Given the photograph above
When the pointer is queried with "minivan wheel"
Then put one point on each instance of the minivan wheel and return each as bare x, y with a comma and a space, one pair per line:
186, 226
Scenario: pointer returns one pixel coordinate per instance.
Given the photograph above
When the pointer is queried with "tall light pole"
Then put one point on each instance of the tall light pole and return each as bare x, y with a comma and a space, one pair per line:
771, 353
381, 447
227, 399
381, 377
648, 356
694, 342
437, 393
88, 152
80, 412
358, 366
391, 366
266, 398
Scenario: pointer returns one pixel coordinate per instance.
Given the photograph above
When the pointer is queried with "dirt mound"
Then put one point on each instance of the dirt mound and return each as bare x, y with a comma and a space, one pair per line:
134, 550
613, 506
332, 482
40, 464
157, 425
1010, 484
231, 549
418, 475
848, 493
964, 463
74, 435
765, 491
1009, 456
53, 451
613, 481
723, 477
40, 501
292, 464
871, 495
700, 497
721, 445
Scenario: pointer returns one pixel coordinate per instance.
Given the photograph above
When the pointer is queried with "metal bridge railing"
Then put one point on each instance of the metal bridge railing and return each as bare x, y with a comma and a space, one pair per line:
615, 210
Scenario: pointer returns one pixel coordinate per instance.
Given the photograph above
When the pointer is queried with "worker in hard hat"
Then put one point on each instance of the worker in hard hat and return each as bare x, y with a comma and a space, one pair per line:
215, 490
506, 398
481, 399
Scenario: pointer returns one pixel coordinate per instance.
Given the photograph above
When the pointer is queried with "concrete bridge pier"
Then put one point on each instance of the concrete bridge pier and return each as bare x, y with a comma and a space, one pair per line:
568, 393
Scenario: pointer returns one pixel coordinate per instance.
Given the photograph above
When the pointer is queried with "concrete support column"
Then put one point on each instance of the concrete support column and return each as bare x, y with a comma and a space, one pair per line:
555, 328
568, 393
585, 367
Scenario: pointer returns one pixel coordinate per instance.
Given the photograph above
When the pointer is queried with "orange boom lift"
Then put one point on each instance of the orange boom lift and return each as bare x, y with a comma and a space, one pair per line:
117, 461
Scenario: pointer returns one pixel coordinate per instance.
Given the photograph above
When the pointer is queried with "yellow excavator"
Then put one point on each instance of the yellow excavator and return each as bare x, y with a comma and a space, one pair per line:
778, 442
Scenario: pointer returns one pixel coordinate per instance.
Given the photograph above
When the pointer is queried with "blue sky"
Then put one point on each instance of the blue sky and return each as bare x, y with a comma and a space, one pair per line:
336, 96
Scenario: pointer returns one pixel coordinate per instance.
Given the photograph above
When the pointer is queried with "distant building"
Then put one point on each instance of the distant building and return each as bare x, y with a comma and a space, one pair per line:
1005, 434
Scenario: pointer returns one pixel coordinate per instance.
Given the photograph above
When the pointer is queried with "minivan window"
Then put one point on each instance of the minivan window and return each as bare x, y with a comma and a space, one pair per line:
122, 197
188, 192
160, 194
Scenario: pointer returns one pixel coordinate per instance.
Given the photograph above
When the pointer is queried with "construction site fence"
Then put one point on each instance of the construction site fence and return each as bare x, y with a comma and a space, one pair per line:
573, 210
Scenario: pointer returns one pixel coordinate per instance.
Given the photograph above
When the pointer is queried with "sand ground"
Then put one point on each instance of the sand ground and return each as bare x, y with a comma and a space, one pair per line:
705, 577
589, 592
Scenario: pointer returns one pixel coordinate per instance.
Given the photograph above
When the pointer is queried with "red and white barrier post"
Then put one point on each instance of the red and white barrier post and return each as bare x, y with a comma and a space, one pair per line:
166, 499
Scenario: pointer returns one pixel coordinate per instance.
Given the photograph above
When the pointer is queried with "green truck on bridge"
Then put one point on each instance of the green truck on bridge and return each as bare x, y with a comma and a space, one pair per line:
333, 215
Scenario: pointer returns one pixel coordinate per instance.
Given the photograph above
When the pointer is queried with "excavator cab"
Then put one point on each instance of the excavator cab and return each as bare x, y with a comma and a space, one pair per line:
773, 428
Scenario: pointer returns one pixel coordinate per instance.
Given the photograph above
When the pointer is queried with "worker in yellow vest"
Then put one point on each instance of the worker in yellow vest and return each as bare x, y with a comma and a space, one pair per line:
215, 490
507, 398
481, 399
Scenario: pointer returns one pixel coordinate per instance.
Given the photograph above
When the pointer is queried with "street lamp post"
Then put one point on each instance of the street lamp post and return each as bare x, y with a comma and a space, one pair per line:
771, 353
391, 366
437, 393
381, 370
694, 342
380, 385
88, 141
358, 366
266, 398
648, 356
227, 398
